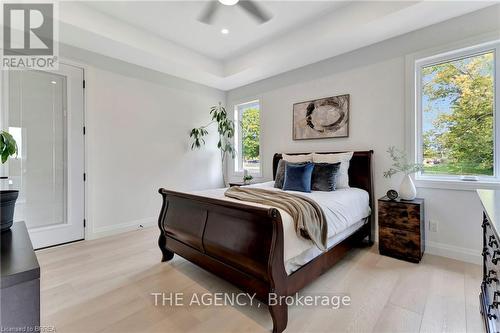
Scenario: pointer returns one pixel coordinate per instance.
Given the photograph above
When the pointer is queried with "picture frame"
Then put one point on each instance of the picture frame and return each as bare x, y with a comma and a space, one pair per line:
322, 118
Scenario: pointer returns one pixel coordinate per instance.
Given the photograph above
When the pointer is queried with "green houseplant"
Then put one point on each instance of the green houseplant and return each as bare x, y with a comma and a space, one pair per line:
8, 148
225, 130
247, 179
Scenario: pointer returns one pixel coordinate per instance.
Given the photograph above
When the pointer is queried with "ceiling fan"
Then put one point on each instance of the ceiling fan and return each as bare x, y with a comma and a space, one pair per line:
249, 6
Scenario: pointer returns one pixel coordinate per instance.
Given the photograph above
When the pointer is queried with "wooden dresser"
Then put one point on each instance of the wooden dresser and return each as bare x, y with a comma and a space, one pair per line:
20, 282
401, 228
489, 297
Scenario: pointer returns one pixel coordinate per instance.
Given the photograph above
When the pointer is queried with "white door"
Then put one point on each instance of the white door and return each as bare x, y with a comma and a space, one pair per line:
45, 116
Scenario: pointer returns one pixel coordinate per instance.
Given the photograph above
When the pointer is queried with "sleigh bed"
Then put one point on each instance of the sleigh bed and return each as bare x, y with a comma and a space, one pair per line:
244, 243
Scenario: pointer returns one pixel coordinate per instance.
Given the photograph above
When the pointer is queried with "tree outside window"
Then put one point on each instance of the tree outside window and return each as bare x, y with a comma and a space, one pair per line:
457, 121
247, 137
250, 128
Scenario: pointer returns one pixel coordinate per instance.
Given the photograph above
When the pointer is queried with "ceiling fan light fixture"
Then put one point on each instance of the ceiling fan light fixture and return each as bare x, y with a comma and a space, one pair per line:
229, 2
224, 31
251, 7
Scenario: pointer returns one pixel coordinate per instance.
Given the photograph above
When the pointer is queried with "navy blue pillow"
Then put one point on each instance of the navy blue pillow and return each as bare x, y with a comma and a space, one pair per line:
280, 173
298, 177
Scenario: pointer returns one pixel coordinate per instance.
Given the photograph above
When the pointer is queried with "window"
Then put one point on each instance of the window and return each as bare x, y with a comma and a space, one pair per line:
247, 138
455, 98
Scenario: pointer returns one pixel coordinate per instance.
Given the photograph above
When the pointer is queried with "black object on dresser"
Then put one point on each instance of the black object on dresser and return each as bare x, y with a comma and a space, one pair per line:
20, 282
489, 298
401, 228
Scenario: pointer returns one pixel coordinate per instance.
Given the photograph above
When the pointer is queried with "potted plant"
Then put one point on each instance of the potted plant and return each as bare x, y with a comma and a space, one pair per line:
8, 148
407, 190
247, 179
225, 130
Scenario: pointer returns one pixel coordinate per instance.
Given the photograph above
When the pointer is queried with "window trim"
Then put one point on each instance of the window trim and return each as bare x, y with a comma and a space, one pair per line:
238, 143
413, 121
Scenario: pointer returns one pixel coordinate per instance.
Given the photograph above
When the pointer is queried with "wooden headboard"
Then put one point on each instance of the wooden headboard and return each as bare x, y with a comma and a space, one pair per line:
360, 170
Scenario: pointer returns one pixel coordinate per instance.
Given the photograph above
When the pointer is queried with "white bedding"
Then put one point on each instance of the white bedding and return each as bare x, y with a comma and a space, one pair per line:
345, 211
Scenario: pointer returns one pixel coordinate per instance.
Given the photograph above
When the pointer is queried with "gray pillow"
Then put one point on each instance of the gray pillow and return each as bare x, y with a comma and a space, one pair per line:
280, 174
324, 177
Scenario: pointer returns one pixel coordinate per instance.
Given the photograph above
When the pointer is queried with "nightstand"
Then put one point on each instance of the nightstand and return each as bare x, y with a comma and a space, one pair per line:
231, 184
401, 228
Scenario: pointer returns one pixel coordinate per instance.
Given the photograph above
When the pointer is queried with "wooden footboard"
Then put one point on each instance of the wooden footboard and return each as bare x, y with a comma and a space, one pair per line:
240, 243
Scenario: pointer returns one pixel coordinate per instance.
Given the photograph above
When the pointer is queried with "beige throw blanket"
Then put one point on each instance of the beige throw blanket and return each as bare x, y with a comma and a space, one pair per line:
307, 215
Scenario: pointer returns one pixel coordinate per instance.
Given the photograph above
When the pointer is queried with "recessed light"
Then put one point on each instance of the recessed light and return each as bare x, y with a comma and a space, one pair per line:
53, 82
229, 2
224, 31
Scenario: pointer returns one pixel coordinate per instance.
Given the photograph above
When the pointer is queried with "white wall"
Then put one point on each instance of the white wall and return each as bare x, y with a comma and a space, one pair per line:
138, 124
375, 78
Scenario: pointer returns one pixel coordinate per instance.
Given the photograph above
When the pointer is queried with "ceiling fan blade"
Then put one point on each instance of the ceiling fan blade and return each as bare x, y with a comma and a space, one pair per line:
255, 10
208, 14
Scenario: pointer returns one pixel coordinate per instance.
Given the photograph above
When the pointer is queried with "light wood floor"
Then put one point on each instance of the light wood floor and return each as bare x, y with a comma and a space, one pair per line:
105, 285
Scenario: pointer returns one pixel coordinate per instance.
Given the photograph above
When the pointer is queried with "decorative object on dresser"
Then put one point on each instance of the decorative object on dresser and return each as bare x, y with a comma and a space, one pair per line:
20, 282
321, 118
8, 148
401, 163
489, 297
225, 130
401, 229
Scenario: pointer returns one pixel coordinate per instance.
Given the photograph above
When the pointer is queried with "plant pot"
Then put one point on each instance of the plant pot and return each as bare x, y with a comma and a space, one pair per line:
7, 204
407, 190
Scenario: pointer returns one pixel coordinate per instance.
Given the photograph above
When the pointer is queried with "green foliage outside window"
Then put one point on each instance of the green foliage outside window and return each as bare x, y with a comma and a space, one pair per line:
250, 131
458, 99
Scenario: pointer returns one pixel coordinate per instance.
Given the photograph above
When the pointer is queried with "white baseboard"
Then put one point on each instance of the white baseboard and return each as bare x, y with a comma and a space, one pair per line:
94, 233
453, 252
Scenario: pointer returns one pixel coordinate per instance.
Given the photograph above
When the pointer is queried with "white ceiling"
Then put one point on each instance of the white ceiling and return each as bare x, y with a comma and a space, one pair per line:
177, 21
166, 35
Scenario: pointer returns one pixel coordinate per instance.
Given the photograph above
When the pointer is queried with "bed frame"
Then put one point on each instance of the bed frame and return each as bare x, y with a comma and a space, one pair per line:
243, 244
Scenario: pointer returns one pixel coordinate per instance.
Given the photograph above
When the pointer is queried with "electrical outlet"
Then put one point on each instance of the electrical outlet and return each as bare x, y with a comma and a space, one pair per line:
433, 226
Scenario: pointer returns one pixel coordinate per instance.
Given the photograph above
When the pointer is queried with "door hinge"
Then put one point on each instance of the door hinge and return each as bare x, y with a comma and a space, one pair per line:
83, 84
84, 177
84, 223
83, 130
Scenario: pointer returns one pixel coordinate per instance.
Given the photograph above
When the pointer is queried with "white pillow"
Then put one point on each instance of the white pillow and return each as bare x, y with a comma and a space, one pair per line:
343, 158
298, 158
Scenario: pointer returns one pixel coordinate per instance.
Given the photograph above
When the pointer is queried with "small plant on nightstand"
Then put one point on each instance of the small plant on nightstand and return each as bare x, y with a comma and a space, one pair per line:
247, 179
407, 190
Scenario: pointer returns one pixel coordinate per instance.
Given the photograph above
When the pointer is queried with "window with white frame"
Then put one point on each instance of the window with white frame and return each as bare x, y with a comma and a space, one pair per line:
457, 123
247, 138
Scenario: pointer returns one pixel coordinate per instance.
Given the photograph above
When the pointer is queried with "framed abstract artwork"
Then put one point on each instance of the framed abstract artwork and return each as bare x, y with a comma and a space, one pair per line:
321, 118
